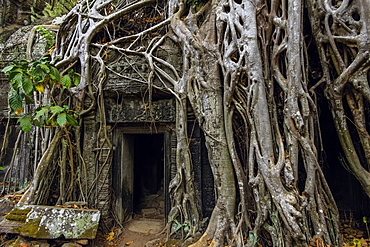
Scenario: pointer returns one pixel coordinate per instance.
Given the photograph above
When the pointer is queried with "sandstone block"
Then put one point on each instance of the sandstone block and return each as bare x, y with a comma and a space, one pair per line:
48, 222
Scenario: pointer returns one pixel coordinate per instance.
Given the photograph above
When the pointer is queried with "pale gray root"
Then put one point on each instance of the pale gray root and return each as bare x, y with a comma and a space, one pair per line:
243, 66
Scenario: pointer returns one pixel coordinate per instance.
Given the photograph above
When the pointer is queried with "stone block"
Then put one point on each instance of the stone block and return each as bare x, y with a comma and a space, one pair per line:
48, 222
40, 243
82, 241
148, 211
71, 245
8, 226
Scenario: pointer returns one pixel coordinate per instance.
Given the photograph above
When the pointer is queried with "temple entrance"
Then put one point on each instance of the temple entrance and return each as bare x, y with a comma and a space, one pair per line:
140, 177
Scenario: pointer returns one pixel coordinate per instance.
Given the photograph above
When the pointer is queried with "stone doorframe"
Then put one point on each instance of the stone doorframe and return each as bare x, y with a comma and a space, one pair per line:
122, 172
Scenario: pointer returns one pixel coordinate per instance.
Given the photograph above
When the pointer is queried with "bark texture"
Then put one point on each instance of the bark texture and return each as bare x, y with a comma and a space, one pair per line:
244, 73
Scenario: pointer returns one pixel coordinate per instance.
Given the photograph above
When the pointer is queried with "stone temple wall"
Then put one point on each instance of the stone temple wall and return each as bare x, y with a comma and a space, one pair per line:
127, 106
128, 109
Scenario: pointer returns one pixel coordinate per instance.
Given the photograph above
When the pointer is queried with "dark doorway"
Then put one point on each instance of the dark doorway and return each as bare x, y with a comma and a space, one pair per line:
140, 179
149, 172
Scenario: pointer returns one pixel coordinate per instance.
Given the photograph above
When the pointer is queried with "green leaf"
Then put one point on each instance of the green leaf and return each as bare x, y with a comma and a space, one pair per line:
13, 73
27, 85
71, 120
54, 74
15, 101
66, 81
25, 123
62, 119
56, 109
45, 68
41, 112
38, 74
8, 68
17, 80
76, 79
39, 123
29, 100
177, 225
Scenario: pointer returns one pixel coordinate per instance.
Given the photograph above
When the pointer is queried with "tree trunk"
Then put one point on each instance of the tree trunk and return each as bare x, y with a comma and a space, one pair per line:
244, 74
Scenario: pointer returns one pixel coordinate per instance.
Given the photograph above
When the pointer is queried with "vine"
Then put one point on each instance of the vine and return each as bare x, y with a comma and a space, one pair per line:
242, 72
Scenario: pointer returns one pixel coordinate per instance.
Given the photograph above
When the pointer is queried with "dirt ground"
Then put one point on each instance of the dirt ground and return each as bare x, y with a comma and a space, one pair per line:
135, 239
138, 232
147, 233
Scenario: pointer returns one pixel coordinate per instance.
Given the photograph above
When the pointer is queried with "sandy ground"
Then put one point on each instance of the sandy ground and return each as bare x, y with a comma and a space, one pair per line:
138, 233
141, 232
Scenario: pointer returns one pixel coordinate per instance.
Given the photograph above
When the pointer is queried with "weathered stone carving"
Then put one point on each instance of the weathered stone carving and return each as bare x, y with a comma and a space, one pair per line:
136, 110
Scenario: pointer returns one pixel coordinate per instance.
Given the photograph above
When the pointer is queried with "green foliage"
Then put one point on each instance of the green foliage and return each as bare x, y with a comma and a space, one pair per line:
27, 78
70, 79
58, 8
355, 242
54, 116
48, 36
177, 226
193, 3
25, 123
364, 219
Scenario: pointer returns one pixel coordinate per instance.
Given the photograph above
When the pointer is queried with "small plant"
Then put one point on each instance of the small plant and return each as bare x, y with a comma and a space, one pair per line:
178, 225
49, 36
364, 219
27, 78
355, 242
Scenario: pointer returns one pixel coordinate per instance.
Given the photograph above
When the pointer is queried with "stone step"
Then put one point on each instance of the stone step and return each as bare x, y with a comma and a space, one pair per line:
149, 226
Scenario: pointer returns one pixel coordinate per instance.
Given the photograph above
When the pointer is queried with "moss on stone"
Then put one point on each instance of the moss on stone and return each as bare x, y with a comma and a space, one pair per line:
20, 211
80, 229
32, 228
52, 222
16, 217
18, 214
88, 233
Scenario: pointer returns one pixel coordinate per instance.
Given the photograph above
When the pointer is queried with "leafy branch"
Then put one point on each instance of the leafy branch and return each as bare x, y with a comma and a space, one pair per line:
48, 36
29, 78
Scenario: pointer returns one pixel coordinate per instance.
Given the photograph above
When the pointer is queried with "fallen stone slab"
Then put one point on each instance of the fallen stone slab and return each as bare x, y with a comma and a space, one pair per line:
7, 226
47, 222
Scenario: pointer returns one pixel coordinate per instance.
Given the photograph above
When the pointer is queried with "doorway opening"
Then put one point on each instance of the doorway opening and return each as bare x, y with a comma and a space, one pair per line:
149, 198
141, 172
